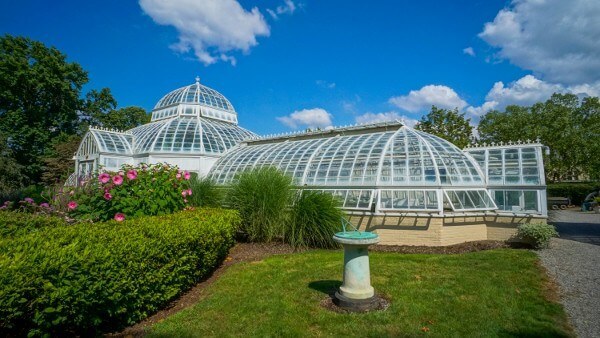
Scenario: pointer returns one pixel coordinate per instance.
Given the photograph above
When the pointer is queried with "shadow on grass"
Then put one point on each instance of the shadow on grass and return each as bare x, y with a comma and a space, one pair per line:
327, 287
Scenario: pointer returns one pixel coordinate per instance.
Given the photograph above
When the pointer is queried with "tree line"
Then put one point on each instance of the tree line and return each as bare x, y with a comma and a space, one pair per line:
44, 112
568, 125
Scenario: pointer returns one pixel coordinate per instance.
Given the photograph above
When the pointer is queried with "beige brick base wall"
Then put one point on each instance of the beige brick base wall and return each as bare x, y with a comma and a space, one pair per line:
435, 230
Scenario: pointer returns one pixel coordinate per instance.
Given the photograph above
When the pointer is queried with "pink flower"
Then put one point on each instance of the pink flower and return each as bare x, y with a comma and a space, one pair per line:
107, 196
187, 175
184, 193
178, 176
72, 205
45, 205
117, 179
185, 200
132, 174
104, 178
119, 217
28, 200
121, 173
189, 192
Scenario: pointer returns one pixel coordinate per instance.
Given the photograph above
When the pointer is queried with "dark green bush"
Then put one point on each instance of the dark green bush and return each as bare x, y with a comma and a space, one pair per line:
262, 197
537, 234
19, 223
205, 193
315, 218
83, 279
575, 191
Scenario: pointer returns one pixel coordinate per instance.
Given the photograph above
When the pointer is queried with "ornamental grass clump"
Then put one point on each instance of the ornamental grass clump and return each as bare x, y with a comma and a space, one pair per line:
538, 234
206, 193
315, 218
156, 189
262, 197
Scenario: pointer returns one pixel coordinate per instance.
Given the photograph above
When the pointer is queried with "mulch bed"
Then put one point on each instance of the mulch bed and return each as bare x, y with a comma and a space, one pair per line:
249, 252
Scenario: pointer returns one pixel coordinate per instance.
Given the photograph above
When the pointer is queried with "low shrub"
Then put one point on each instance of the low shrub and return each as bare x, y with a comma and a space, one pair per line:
18, 223
83, 279
206, 193
537, 234
576, 192
262, 197
315, 218
145, 190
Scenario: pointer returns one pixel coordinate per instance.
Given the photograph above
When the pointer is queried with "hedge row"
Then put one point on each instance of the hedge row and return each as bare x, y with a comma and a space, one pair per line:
575, 191
20, 223
88, 278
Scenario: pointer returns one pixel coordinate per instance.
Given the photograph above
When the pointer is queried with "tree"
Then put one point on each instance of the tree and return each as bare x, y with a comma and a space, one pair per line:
125, 118
40, 99
447, 124
570, 127
58, 163
11, 174
100, 110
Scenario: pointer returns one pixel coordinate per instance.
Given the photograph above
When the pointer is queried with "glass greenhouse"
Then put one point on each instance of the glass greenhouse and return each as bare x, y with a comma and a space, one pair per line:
514, 175
190, 127
384, 168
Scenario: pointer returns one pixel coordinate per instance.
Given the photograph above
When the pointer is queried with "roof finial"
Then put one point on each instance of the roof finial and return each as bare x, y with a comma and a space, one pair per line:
197, 79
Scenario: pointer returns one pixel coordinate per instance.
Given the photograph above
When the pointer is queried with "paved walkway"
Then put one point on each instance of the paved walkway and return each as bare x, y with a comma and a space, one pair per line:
574, 262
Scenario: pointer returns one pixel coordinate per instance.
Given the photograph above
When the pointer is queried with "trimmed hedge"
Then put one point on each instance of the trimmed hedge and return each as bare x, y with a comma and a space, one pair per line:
574, 191
84, 279
20, 223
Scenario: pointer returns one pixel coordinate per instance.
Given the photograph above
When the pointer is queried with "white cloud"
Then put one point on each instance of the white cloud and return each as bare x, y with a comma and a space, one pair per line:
556, 39
309, 118
527, 91
325, 84
384, 117
288, 7
210, 29
469, 51
430, 95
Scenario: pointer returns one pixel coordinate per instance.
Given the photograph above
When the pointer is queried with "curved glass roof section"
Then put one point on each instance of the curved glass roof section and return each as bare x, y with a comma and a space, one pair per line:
188, 135
112, 142
401, 156
195, 94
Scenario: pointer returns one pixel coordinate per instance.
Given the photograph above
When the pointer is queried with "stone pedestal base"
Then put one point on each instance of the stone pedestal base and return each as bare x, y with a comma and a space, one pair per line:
356, 305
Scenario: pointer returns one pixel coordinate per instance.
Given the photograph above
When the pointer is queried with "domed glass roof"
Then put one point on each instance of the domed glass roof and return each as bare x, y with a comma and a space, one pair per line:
196, 94
187, 135
379, 167
402, 157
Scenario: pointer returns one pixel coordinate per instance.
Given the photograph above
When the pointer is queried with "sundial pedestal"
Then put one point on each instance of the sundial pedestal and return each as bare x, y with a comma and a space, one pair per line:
356, 292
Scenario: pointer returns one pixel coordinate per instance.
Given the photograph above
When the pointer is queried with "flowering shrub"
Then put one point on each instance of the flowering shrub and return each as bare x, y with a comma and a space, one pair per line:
156, 189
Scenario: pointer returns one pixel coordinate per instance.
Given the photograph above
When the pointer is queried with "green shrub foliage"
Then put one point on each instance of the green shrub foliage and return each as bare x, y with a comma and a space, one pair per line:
315, 218
18, 223
537, 234
575, 191
205, 193
83, 279
145, 190
262, 197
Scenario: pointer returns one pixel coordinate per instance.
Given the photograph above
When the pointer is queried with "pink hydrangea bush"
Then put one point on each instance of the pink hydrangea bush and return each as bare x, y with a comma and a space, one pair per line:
156, 189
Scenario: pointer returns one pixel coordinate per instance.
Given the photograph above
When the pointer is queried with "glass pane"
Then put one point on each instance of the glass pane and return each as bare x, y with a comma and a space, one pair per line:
531, 200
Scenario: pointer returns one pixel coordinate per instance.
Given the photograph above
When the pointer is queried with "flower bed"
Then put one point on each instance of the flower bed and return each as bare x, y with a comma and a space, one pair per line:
157, 189
88, 278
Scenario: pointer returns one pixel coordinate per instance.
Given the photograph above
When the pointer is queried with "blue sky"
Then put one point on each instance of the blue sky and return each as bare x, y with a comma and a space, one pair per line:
303, 63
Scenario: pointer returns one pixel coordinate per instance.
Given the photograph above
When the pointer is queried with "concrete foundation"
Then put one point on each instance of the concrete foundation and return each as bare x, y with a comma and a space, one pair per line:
436, 230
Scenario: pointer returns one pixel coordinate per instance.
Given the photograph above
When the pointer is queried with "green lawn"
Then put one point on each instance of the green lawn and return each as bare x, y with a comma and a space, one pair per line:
488, 293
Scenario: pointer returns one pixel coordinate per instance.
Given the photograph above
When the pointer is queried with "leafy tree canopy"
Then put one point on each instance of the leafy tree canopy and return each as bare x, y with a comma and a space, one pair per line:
447, 124
41, 102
